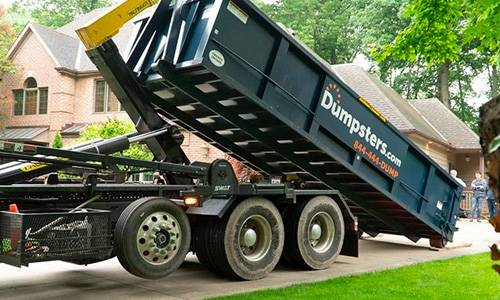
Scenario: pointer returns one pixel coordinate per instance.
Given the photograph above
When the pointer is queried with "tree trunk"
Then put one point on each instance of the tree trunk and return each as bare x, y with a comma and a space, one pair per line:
494, 81
333, 57
489, 128
444, 84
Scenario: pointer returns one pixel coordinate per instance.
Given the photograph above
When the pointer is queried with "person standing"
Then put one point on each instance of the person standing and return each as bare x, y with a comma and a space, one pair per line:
454, 174
492, 203
479, 186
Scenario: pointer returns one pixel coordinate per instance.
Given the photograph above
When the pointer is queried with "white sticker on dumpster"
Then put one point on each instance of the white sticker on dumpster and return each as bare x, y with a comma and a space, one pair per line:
217, 58
238, 12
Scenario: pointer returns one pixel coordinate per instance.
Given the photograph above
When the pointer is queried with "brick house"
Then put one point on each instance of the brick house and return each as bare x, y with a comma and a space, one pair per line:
57, 89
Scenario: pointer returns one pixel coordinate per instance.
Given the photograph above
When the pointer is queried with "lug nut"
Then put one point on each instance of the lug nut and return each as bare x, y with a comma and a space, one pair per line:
156, 229
152, 244
165, 226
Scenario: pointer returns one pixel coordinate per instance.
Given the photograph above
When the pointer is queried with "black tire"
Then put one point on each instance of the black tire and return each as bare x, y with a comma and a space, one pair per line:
133, 237
306, 246
438, 242
207, 240
246, 243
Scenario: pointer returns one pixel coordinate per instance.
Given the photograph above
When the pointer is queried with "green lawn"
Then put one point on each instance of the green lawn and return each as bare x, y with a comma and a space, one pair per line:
467, 277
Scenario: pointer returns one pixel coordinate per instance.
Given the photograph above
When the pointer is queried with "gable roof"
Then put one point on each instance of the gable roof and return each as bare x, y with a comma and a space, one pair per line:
450, 126
388, 102
59, 47
62, 46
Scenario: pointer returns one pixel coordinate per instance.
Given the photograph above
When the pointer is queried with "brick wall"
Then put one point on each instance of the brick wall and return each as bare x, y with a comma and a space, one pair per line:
84, 104
197, 149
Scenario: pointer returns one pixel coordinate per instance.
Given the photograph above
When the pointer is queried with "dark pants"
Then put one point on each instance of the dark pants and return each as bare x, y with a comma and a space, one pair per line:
492, 207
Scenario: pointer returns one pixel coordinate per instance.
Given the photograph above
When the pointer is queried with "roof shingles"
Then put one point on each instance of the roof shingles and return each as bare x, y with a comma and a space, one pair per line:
446, 122
63, 47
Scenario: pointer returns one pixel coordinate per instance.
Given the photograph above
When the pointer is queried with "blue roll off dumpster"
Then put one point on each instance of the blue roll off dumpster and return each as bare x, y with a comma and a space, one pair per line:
228, 73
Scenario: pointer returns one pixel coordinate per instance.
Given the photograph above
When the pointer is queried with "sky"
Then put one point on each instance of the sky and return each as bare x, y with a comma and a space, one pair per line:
6, 2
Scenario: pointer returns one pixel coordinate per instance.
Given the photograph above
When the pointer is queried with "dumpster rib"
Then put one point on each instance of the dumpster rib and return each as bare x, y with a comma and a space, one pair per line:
215, 106
190, 122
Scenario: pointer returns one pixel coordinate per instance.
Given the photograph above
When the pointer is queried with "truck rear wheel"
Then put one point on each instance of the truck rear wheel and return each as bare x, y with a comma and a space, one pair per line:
152, 237
314, 233
246, 243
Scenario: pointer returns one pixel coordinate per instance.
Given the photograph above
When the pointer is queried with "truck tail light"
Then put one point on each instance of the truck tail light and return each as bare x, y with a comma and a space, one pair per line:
191, 201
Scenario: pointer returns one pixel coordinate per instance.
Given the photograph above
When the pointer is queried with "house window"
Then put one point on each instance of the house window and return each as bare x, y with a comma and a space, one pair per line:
105, 100
31, 100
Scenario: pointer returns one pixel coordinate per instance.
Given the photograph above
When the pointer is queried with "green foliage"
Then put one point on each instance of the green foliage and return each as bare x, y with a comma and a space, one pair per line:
381, 22
19, 19
113, 128
495, 145
329, 27
439, 280
430, 34
58, 141
56, 13
7, 37
411, 61
484, 20
106, 130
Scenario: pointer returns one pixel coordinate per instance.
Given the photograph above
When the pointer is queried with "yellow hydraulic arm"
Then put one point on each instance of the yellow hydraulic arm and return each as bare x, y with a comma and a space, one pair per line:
106, 26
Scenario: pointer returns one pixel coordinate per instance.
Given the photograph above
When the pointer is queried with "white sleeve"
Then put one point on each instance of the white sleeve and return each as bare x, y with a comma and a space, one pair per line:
461, 182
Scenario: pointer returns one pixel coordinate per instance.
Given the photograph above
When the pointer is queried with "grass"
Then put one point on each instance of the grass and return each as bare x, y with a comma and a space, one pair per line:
466, 277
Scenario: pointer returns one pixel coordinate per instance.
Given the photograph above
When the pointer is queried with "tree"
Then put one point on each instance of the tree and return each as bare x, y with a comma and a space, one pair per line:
483, 16
56, 13
328, 27
429, 36
7, 36
58, 141
113, 128
439, 28
483, 22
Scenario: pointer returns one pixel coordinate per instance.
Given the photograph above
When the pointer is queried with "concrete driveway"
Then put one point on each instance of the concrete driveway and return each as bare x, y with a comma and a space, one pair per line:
107, 280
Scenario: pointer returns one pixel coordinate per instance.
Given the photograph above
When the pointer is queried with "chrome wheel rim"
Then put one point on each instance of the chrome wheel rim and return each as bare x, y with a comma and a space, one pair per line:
321, 232
255, 237
158, 238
